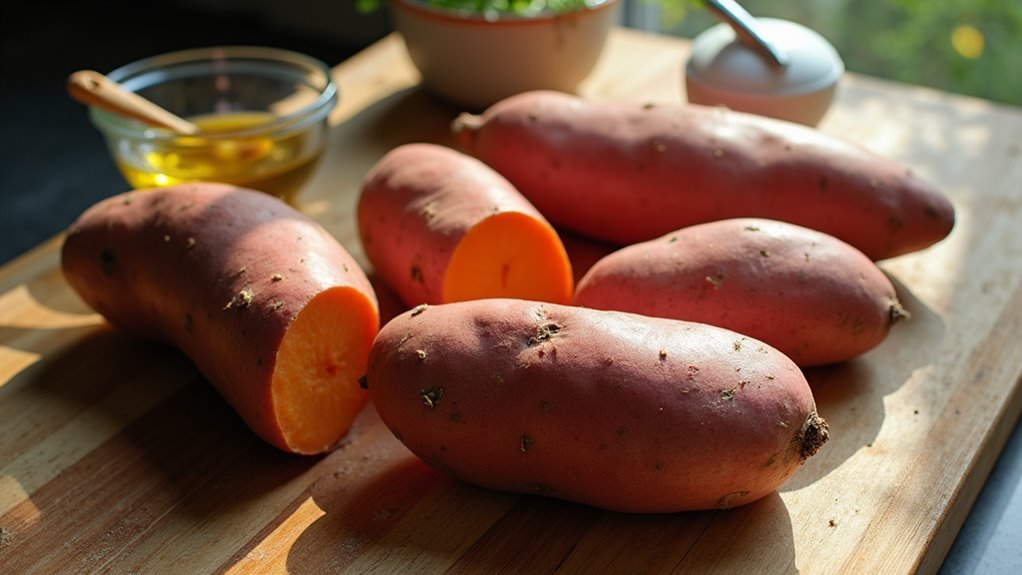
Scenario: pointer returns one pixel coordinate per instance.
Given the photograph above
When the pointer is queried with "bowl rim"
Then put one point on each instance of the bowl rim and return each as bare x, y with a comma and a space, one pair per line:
422, 9
112, 124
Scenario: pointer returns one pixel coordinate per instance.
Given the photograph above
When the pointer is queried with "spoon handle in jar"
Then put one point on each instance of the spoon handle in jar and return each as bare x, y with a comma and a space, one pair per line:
746, 28
95, 89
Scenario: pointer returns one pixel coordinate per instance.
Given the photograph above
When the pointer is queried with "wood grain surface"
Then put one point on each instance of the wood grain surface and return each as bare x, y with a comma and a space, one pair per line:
117, 457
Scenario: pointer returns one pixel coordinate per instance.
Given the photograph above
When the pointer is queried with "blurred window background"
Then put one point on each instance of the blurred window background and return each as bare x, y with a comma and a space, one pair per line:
969, 47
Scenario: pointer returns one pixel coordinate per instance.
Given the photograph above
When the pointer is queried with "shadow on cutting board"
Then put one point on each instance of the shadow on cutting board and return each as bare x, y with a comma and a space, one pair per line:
120, 446
386, 510
851, 395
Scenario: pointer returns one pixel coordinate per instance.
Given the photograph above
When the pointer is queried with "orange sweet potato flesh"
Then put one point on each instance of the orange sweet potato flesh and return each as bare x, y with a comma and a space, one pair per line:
270, 308
615, 410
440, 226
813, 297
624, 172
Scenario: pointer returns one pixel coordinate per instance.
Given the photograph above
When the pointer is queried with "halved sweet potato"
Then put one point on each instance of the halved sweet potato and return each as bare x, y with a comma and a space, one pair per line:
265, 302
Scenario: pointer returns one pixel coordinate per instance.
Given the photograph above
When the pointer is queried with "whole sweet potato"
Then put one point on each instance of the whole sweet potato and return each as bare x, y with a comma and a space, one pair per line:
810, 295
615, 410
441, 226
266, 303
625, 172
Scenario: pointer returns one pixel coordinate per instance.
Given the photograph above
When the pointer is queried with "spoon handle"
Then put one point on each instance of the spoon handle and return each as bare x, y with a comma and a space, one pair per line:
744, 25
95, 89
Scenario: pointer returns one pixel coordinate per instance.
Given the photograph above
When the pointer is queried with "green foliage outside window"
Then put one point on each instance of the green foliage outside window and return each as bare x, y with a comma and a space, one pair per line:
965, 46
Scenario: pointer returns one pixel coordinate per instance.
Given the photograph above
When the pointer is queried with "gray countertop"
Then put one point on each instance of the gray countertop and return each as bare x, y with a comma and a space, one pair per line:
989, 542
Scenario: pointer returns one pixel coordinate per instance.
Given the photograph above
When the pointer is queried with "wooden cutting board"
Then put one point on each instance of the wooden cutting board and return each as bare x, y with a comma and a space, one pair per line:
116, 456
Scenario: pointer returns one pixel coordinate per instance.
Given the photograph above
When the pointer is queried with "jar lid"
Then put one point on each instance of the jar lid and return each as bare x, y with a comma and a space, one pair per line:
722, 60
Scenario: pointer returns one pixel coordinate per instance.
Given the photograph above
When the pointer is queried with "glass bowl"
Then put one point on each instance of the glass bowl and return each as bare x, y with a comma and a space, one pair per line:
262, 113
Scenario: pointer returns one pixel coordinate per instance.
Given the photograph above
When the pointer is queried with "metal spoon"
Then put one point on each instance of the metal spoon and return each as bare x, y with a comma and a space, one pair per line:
95, 89
746, 28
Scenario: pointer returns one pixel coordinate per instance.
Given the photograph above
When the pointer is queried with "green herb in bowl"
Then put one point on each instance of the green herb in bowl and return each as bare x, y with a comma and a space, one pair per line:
497, 7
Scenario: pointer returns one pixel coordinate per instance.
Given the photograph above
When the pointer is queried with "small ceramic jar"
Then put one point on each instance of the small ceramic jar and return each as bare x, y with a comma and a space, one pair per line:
724, 70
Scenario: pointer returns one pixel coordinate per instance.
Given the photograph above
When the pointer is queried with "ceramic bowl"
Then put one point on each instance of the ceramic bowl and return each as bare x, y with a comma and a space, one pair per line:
475, 60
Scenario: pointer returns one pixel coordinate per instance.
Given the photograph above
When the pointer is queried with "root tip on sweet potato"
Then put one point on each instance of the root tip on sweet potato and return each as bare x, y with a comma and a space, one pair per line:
813, 435
464, 128
898, 313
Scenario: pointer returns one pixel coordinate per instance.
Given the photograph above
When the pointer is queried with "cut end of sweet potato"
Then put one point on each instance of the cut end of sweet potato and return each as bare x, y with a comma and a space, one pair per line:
509, 255
316, 395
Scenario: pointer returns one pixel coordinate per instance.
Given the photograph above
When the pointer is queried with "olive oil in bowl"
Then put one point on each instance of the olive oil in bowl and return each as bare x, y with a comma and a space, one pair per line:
277, 164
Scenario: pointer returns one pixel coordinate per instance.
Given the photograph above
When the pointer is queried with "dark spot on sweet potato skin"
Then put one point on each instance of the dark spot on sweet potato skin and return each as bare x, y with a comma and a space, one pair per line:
108, 261
545, 332
431, 397
525, 442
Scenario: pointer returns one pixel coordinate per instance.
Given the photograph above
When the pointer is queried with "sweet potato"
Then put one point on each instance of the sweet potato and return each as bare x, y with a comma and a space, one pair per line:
615, 410
440, 226
270, 308
626, 173
583, 252
810, 295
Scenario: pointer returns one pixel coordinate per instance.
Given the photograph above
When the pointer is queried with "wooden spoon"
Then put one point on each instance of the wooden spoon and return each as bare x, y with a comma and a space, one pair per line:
92, 88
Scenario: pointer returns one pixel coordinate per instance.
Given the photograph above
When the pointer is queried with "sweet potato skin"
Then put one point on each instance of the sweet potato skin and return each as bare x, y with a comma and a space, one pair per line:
217, 271
614, 410
417, 204
812, 296
625, 172
583, 252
